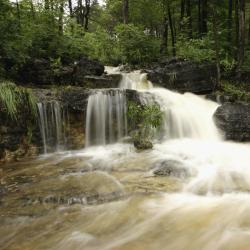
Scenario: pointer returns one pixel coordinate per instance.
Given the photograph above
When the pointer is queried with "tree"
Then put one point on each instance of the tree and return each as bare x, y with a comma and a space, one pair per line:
241, 36
125, 11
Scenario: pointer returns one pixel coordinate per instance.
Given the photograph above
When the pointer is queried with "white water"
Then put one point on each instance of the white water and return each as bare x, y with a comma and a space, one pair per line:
52, 122
210, 210
103, 111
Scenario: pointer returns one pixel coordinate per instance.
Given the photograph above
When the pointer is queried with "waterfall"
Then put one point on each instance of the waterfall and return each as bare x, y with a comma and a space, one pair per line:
186, 115
52, 123
106, 120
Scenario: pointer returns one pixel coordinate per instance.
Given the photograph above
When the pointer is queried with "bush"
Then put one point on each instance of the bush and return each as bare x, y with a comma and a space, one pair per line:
143, 120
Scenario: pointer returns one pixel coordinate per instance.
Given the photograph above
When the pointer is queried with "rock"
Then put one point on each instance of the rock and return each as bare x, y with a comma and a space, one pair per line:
105, 81
37, 71
171, 168
234, 120
45, 72
221, 98
143, 144
86, 67
184, 76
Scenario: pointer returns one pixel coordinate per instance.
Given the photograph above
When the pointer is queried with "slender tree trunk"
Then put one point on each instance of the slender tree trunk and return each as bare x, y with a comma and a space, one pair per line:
70, 8
80, 13
86, 14
60, 19
241, 48
216, 45
199, 18
182, 13
236, 26
204, 8
229, 24
32, 9
18, 13
172, 31
249, 31
189, 16
125, 11
164, 46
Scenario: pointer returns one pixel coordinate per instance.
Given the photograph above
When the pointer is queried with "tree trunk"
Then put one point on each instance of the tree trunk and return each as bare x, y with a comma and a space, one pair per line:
86, 14
241, 48
32, 9
125, 11
182, 13
172, 31
18, 13
70, 8
216, 46
199, 18
164, 46
204, 16
236, 26
229, 25
60, 19
80, 13
189, 16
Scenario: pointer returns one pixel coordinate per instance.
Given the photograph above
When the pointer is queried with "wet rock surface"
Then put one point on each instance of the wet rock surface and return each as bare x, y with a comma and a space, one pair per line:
234, 120
171, 168
184, 76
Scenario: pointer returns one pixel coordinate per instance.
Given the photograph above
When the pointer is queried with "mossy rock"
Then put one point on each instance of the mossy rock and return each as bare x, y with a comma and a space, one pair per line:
143, 144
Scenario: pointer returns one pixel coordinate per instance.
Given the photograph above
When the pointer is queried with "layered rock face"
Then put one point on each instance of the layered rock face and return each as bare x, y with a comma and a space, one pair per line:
184, 76
84, 72
234, 120
23, 137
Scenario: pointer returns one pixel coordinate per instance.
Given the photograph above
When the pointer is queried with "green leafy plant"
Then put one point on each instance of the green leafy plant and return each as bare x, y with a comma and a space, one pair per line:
143, 121
13, 97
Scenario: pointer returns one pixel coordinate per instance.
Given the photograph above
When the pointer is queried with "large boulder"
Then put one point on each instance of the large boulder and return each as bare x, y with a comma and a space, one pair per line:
234, 120
45, 72
184, 76
86, 67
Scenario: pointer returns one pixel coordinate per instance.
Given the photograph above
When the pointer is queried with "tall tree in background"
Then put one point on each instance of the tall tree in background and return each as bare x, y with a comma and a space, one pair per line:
215, 25
125, 11
183, 3
241, 36
171, 29
229, 24
189, 16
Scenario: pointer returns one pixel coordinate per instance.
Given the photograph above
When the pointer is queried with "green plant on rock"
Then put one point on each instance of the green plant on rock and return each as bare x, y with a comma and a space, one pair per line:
13, 97
143, 121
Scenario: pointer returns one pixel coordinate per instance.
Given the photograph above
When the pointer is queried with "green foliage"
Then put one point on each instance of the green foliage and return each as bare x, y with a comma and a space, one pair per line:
13, 98
196, 49
143, 120
238, 90
135, 46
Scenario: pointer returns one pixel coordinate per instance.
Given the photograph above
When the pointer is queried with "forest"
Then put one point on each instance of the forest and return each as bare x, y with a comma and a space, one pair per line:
138, 32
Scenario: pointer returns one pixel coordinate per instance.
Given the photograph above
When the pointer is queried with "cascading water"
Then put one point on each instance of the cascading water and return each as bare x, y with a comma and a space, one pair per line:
199, 201
52, 123
106, 120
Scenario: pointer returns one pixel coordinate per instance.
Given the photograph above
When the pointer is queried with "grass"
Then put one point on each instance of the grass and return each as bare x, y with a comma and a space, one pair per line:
13, 98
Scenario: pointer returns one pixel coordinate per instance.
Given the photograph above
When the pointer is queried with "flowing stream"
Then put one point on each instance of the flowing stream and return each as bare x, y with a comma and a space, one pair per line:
109, 196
